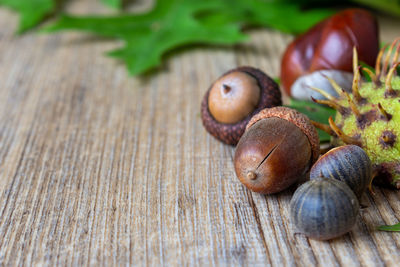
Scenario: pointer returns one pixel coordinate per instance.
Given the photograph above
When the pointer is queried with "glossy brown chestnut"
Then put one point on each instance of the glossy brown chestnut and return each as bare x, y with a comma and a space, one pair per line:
329, 45
234, 98
278, 148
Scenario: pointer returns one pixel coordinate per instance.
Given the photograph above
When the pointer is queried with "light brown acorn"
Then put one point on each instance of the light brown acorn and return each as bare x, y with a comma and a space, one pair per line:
234, 98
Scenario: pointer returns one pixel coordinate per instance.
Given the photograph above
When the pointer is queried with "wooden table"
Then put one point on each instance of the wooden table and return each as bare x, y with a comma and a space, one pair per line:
99, 167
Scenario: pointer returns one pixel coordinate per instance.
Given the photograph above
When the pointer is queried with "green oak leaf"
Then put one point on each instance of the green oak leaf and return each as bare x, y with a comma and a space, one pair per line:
117, 4
170, 24
176, 23
31, 12
390, 228
286, 16
316, 113
388, 6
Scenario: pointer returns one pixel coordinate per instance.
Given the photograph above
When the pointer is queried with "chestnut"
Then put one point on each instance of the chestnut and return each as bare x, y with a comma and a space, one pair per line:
278, 147
324, 208
327, 50
349, 164
234, 98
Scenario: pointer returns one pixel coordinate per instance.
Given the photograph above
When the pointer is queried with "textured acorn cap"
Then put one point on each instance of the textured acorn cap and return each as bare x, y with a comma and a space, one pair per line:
270, 96
295, 117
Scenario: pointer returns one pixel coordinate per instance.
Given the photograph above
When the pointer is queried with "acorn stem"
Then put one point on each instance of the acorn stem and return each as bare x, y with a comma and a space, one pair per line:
251, 175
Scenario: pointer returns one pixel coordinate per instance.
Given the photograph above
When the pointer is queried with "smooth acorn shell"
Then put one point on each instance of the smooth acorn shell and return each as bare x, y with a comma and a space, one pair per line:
278, 148
270, 96
349, 164
272, 155
324, 208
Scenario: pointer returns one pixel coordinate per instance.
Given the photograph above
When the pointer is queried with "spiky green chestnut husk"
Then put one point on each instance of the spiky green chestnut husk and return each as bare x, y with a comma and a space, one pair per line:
370, 115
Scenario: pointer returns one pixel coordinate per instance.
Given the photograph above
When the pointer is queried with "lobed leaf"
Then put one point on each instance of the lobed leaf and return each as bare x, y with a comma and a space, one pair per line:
286, 16
32, 12
175, 23
117, 4
170, 24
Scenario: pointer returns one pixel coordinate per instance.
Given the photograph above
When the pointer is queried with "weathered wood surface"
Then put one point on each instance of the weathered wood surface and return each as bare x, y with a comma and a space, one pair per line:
99, 168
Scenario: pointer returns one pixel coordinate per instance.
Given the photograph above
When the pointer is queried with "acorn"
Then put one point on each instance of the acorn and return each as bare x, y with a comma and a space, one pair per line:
234, 98
349, 164
278, 148
324, 208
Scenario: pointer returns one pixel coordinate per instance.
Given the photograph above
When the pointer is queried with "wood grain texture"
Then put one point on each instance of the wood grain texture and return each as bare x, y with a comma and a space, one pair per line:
100, 168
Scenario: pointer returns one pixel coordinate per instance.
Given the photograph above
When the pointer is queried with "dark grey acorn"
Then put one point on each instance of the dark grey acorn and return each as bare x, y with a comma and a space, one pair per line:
324, 208
349, 164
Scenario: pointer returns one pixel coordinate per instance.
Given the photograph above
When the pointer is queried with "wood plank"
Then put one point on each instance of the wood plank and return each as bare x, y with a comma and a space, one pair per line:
98, 167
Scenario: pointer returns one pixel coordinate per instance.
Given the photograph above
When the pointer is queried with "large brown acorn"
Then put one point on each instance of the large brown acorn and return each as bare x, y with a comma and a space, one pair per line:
278, 148
234, 98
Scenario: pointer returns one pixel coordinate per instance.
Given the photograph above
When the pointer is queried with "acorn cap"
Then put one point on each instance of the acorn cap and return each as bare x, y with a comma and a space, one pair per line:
270, 96
295, 117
